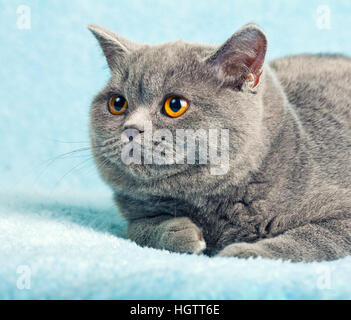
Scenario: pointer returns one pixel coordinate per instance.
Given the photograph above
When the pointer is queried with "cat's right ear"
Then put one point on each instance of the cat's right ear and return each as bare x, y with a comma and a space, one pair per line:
115, 47
240, 59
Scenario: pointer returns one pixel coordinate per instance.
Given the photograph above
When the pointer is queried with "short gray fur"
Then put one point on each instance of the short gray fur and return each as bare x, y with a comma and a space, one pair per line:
287, 194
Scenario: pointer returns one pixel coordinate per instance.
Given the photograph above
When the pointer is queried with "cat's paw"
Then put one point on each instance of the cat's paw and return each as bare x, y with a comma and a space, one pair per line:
244, 250
181, 235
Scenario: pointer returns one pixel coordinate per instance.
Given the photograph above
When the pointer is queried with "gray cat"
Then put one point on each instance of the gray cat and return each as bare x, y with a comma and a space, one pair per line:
287, 191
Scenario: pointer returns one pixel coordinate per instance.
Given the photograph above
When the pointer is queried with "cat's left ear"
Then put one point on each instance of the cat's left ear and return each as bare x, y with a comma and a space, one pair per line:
240, 59
115, 47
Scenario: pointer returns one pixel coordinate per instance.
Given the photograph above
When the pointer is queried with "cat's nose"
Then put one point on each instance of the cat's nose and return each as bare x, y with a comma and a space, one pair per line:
132, 131
135, 123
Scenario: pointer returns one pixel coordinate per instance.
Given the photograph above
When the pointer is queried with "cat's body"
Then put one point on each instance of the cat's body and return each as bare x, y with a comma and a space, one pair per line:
287, 193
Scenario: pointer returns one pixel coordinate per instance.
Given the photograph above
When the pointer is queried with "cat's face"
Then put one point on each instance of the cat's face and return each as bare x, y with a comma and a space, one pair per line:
175, 86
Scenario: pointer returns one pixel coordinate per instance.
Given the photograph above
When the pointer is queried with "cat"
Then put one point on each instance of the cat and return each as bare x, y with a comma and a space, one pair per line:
287, 191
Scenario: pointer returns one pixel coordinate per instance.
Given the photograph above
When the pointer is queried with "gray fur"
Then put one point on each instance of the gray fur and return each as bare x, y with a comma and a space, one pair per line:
287, 193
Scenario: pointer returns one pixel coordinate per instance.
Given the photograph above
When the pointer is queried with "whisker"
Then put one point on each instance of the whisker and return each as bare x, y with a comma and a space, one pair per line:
84, 153
61, 141
73, 169
74, 154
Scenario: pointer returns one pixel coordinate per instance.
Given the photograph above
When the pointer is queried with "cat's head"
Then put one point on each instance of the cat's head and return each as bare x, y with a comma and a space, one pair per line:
169, 87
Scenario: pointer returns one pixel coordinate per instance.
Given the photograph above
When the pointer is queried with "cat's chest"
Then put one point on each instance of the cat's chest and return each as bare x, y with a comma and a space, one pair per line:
224, 221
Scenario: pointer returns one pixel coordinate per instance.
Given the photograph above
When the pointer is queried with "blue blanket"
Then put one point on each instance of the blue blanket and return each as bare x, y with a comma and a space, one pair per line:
60, 234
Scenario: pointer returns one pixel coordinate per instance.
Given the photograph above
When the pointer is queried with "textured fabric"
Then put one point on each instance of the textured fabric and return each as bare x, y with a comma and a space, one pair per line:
57, 219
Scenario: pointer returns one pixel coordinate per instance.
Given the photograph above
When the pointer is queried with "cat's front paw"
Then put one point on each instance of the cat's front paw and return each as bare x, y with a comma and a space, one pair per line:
244, 250
181, 235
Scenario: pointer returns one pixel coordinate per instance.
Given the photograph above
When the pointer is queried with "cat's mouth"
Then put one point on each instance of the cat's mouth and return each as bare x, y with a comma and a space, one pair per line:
147, 172
151, 171
155, 162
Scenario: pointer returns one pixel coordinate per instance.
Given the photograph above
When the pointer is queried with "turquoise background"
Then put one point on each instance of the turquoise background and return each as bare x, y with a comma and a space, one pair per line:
56, 216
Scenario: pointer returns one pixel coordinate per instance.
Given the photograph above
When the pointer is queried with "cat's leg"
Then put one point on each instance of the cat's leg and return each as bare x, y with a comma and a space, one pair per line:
165, 232
327, 240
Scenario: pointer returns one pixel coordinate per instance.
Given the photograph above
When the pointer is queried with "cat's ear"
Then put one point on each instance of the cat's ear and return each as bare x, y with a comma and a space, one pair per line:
114, 46
240, 59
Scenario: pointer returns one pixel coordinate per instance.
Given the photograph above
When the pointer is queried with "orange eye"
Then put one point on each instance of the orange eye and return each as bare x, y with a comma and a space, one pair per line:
175, 106
117, 104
